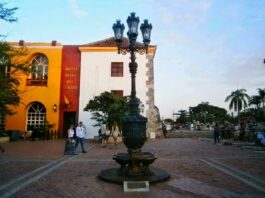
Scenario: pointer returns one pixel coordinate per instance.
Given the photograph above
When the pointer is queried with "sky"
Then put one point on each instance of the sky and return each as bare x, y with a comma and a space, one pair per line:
205, 48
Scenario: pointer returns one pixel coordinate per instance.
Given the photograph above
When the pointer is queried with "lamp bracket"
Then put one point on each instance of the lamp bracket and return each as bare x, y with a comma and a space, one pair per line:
139, 50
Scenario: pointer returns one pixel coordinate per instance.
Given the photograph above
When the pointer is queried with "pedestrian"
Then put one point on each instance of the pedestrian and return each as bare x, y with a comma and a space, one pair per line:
34, 133
164, 130
242, 131
105, 132
71, 133
70, 142
80, 135
115, 132
216, 133
100, 135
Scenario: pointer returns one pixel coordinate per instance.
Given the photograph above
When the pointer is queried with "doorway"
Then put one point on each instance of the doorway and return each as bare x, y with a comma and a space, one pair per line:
68, 119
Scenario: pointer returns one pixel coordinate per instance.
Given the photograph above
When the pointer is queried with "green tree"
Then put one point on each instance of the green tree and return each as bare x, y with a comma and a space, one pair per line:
107, 108
254, 100
261, 94
250, 113
7, 14
204, 112
238, 100
258, 101
255, 112
183, 117
10, 67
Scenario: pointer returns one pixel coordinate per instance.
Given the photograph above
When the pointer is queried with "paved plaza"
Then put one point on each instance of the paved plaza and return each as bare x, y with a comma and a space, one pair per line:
198, 168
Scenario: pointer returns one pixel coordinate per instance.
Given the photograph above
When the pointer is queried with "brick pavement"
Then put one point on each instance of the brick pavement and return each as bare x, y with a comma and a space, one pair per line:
39, 169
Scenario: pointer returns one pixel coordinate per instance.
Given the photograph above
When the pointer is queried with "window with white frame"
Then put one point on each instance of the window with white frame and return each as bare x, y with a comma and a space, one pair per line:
36, 116
40, 67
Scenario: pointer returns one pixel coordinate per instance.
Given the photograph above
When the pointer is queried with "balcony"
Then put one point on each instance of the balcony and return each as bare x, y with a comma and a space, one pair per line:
36, 82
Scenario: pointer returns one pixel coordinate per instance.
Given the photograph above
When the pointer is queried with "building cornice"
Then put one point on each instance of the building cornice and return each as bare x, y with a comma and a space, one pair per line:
35, 45
108, 49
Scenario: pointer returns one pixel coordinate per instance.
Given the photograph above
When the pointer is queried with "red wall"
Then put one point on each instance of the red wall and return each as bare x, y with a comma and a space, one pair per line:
70, 80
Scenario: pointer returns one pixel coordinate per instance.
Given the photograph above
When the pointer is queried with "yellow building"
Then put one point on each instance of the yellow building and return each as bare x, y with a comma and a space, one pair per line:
40, 89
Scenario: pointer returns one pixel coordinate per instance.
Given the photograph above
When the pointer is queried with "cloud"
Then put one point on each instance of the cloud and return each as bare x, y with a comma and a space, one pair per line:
186, 13
245, 71
210, 49
77, 11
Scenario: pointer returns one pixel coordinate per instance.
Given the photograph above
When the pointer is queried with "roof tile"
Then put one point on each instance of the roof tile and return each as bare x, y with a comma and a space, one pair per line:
110, 42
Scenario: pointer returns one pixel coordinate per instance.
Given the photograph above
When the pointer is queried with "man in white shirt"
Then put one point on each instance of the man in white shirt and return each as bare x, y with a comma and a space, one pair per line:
80, 135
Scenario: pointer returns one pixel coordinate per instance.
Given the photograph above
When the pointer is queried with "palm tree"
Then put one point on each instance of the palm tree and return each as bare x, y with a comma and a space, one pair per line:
254, 100
238, 100
261, 93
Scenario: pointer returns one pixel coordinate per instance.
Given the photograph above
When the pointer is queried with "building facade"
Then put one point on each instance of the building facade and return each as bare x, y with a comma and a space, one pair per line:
39, 89
103, 69
69, 92
66, 77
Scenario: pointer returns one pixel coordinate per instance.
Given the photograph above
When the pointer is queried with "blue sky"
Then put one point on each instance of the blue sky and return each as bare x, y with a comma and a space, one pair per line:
205, 48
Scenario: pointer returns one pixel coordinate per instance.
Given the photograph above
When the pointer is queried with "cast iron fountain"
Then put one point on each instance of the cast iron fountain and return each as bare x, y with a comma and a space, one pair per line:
134, 165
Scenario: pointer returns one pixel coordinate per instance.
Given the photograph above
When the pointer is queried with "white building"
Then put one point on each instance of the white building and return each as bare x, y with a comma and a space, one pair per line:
103, 69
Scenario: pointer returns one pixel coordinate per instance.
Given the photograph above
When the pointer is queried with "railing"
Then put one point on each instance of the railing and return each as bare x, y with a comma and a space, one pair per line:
36, 82
42, 135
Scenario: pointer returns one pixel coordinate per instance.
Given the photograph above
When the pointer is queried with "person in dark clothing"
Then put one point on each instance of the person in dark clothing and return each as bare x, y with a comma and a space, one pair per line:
100, 135
164, 130
34, 133
216, 133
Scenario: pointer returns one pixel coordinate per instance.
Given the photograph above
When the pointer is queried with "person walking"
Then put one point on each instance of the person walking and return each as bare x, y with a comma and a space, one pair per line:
115, 132
70, 142
105, 135
80, 135
216, 133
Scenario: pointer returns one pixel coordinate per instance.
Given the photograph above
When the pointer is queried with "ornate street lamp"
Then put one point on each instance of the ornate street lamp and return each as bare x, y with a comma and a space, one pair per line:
134, 165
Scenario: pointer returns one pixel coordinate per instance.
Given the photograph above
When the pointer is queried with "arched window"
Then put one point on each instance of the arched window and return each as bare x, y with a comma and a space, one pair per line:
40, 67
4, 66
39, 74
36, 116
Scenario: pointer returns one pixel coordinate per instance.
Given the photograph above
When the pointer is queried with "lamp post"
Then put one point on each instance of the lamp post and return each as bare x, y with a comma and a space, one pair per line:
134, 165
132, 48
134, 121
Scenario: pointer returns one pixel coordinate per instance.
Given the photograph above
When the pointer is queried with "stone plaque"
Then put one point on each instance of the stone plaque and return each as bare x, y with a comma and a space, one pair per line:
136, 186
